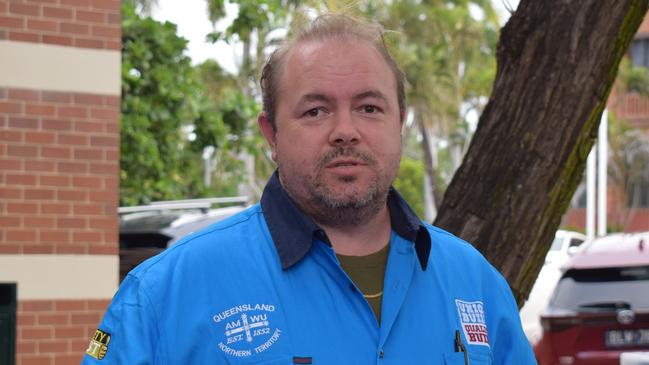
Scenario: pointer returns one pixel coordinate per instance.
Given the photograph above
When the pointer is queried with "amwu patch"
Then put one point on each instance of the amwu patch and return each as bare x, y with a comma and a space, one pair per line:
98, 344
473, 322
247, 329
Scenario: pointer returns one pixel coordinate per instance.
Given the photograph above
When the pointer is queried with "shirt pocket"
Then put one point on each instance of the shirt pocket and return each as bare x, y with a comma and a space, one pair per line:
457, 358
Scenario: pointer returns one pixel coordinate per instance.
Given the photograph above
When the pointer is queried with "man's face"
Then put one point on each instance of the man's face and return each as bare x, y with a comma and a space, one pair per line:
337, 143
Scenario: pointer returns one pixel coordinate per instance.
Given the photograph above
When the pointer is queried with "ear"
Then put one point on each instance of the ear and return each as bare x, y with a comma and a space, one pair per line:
269, 133
402, 116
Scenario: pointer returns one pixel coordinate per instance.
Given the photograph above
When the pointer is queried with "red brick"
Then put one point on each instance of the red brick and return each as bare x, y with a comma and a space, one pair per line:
22, 151
38, 249
54, 180
57, 97
54, 318
113, 101
70, 305
72, 195
112, 128
39, 222
76, 3
54, 236
104, 168
59, 13
24, 94
35, 306
59, 40
88, 154
56, 152
114, 18
36, 360
73, 139
12, 22
25, 347
98, 304
10, 165
39, 137
107, 223
8, 193
11, 136
21, 235
86, 237
114, 45
86, 318
55, 208
67, 359
106, 4
93, 127
104, 141
42, 25
57, 124
108, 31
72, 167
74, 28
35, 333
89, 99
3, 34
91, 16
71, 250
9, 221
105, 113
27, 123
103, 250
53, 346
10, 107
24, 9
72, 112
89, 43
24, 37
70, 332
10, 248
39, 194
88, 182
112, 155
62, 222
21, 179
24, 208
3, 7
40, 166
43, 110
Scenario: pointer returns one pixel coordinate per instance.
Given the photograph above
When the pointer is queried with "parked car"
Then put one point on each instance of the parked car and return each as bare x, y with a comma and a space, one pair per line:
564, 245
600, 307
147, 230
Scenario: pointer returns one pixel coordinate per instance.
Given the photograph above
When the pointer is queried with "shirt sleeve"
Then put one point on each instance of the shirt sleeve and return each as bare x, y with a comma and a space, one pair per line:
511, 345
128, 333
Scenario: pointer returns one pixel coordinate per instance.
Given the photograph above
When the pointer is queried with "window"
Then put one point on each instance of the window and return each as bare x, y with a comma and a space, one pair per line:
638, 195
640, 52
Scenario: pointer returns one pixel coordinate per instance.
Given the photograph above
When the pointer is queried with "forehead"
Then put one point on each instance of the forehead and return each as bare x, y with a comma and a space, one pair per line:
335, 62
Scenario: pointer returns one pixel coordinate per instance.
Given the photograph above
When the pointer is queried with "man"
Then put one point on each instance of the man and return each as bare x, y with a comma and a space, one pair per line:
332, 267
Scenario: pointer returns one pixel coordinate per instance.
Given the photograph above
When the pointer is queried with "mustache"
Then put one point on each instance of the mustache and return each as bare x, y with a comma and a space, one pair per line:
346, 152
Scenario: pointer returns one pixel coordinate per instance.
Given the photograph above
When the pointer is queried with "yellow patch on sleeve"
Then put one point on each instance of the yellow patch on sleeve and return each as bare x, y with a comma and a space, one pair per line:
98, 344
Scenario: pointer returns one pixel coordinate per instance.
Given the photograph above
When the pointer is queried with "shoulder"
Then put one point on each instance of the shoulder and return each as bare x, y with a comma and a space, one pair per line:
227, 240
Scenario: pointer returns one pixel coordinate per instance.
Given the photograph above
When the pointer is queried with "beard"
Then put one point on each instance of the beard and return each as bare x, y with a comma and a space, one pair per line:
350, 204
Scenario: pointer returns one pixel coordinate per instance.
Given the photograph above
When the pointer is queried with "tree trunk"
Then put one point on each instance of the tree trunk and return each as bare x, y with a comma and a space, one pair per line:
429, 163
557, 61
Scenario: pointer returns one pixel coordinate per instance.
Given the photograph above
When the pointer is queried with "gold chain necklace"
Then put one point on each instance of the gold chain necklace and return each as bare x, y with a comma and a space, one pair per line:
372, 296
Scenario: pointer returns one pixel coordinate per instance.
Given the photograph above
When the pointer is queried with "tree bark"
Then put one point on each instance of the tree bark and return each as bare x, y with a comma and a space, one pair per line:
557, 60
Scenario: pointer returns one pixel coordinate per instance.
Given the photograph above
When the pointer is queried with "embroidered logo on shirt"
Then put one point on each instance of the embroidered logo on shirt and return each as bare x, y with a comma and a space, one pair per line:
98, 344
247, 329
473, 322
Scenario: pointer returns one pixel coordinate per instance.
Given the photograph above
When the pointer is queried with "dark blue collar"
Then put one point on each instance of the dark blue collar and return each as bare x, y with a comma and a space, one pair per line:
293, 231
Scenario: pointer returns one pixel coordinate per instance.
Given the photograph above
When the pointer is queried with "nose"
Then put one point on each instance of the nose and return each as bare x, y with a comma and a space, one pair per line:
345, 130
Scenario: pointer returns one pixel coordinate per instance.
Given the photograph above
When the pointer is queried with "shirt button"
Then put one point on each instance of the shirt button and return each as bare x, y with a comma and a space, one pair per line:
381, 353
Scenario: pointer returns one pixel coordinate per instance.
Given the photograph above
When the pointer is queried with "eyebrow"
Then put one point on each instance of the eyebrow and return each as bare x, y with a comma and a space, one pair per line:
371, 94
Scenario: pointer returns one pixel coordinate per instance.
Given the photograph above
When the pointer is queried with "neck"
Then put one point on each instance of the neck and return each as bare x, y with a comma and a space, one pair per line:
361, 240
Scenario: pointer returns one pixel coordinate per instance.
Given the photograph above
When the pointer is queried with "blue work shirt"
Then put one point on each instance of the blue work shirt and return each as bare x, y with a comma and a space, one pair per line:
265, 287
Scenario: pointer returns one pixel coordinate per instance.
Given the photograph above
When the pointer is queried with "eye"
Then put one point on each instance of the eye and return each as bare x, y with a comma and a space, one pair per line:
370, 109
314, 113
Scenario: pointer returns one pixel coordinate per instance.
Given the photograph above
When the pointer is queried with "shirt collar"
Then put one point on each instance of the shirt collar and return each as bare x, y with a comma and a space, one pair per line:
293, 231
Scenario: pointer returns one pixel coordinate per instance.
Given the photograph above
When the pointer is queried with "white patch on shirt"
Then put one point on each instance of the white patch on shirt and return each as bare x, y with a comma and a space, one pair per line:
247, 329
472, 318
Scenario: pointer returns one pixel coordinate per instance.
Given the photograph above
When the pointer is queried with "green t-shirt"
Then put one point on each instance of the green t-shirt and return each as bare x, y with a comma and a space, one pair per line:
367, 273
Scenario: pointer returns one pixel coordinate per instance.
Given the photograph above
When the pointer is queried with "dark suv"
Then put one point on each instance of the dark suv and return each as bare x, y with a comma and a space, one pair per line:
600, 307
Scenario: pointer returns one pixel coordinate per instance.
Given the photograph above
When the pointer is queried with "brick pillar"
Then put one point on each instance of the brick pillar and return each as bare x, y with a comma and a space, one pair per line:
59, 170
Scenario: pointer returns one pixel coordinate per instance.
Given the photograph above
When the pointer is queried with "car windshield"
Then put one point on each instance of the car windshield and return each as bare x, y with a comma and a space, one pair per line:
556, 244
586, 288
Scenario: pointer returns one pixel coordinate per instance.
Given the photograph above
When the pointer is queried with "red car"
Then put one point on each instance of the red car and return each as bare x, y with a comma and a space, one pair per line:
600, 307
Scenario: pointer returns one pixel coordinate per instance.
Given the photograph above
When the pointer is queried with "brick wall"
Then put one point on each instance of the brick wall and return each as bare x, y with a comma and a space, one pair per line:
59, 170
56, 332
77, 23
59, 165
